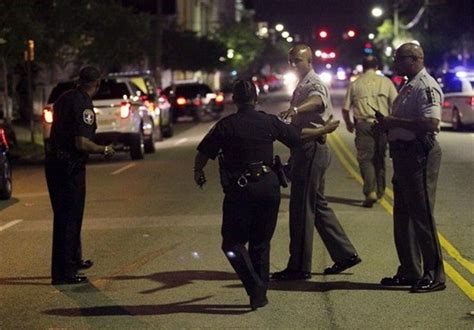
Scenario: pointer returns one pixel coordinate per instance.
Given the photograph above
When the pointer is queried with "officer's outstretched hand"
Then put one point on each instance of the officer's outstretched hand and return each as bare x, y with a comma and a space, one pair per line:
109, 151
329, 126
199, 178
287, 114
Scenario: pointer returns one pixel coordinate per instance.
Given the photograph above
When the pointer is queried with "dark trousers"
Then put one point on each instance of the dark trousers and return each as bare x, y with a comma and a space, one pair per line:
250, 216
309, 208
371, 145
414, 184
67, 191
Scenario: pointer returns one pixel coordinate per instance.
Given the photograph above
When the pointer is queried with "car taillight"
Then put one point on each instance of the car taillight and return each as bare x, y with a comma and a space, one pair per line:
181, 101
124, 110
48, 115
3, 138
446, 104
470, 101
219, 98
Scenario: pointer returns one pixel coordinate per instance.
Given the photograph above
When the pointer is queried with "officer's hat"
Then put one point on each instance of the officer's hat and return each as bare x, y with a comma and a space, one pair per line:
244, 91
88, 74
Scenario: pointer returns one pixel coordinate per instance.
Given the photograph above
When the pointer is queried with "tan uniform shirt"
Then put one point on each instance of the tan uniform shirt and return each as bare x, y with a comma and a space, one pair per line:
310, 85
370, 88
418, 98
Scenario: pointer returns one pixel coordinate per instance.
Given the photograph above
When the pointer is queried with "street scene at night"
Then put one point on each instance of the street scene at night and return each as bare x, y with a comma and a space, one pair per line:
139, 183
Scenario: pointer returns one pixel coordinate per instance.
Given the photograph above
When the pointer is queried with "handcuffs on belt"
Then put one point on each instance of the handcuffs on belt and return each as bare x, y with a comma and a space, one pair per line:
254, 171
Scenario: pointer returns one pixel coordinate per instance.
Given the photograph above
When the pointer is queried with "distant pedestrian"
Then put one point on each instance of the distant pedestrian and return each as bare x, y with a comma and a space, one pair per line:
309, 162
368, 92
72, 131
416, 155
244, 143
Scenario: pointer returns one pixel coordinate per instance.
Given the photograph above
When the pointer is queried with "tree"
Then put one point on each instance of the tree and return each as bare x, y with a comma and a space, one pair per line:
241, 38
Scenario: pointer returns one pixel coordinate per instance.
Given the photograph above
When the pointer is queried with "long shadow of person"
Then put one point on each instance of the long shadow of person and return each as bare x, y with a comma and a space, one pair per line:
346, 201
170, 280
186, 306
310, 286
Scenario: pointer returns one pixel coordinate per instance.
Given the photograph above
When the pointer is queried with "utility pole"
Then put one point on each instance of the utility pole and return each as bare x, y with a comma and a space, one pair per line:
157, 42
29, 58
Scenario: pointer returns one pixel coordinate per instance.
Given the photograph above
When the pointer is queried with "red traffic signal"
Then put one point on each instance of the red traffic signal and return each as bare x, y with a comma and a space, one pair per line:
323, 34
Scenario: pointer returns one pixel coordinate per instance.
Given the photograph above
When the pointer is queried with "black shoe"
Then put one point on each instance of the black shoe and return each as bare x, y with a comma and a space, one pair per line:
427, 285
85, 264
398, 281
290, 275
75, 279
259, 298
341, 266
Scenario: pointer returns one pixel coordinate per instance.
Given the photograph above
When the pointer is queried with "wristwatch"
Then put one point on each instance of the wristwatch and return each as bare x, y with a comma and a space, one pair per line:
106, 150
295, 109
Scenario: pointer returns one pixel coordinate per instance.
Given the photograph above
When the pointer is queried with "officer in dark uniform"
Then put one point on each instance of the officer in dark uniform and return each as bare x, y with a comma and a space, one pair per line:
244, 143
72, 131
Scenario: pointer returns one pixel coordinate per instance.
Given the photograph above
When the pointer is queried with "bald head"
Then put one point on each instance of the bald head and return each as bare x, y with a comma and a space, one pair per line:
301, 51
411, 49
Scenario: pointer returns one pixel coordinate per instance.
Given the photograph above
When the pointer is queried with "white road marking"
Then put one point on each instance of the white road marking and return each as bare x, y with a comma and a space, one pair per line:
10, 224
126, 167
180, 141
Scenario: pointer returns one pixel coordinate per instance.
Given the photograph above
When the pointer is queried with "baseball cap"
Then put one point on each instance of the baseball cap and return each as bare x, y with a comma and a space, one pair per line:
88, 74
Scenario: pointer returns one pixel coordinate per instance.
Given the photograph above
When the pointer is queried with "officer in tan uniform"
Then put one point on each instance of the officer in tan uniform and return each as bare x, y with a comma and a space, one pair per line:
370, 90
309, 161
416, 155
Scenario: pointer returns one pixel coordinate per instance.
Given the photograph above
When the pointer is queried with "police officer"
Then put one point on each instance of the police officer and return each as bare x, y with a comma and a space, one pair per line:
309, 161
72, 131
416, 158
252, 191
369, 92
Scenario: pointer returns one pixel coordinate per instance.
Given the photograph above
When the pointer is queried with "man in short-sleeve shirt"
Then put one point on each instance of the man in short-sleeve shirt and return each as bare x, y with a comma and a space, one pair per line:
416, 155
368, 92
309, 161
70, 143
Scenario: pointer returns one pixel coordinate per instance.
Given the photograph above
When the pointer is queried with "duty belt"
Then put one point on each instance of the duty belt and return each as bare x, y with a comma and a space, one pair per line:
253, 173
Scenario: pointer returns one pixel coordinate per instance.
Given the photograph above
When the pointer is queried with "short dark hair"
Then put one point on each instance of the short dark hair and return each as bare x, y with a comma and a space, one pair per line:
244, 91
88, 74
370, 62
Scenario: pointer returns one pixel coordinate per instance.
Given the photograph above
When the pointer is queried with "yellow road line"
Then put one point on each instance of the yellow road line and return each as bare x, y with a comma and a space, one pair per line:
457, 278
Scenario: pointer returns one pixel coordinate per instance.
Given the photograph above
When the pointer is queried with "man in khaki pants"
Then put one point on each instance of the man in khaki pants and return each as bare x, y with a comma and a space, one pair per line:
370, 91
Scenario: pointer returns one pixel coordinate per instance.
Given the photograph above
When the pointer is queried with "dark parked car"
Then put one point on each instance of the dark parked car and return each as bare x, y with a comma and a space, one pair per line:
5, 166
195, 100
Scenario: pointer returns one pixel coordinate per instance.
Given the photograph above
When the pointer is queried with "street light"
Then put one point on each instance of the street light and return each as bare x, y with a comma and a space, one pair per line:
289, 39
279, 27
285, 34
371, 36
377, 12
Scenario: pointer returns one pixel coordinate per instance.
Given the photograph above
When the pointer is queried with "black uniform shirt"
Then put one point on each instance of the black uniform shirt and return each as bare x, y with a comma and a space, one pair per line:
247, 136
73, 116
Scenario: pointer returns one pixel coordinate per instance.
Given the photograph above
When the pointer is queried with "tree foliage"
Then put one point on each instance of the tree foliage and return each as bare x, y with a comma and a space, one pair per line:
246, 45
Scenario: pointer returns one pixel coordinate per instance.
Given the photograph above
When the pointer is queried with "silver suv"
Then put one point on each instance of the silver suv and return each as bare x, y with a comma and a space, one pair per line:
123, 117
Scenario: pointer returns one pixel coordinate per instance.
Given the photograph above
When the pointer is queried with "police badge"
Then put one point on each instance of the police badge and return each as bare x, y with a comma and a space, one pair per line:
88, 116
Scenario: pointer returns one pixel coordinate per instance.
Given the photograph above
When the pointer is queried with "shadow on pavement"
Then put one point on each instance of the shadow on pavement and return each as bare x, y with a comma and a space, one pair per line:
170, 280
173, 308
347, 201
309, 286
8, 203
31, 280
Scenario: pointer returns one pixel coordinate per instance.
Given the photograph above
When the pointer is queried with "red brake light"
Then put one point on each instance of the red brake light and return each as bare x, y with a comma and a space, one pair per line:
446, 104
3, 138
197, 102
470, 101
48, 115
181, 101
124, 110
219, 98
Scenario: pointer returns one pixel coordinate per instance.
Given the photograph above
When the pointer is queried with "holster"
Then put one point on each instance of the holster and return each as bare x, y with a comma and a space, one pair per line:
279, 169
426, 142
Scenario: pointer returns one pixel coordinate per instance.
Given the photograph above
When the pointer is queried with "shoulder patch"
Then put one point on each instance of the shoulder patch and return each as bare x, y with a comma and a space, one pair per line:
318, 87
88, 116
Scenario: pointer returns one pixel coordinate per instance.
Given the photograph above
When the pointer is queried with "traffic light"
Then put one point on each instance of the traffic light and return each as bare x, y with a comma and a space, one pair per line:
351, 33
323, 34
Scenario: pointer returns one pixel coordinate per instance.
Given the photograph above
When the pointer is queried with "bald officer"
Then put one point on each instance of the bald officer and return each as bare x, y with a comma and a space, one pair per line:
416, 155
309, 161
369, 90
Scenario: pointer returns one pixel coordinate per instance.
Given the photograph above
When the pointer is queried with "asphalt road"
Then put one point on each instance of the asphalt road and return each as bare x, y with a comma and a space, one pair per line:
155, 239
